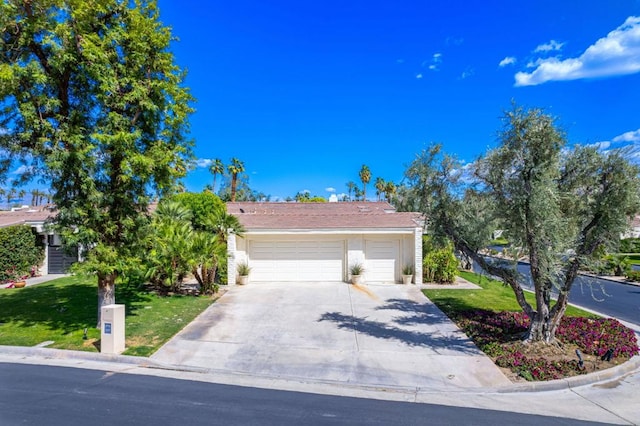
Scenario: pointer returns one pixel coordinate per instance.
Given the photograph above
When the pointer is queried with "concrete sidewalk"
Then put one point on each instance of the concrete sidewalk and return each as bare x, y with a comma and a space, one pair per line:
39, 280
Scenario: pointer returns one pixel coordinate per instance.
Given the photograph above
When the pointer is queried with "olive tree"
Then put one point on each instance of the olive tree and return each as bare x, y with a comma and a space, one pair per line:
92, 102
559, 205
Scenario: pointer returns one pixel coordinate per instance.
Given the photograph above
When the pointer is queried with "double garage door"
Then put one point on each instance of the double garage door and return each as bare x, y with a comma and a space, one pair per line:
318, 260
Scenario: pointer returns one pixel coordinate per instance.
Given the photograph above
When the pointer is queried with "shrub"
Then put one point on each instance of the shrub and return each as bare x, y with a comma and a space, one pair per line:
20, 252
630, 245
440, 265
615, 265
633, 276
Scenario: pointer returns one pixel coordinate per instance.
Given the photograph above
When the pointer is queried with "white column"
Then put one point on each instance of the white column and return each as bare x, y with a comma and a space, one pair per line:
231, 258
418, 256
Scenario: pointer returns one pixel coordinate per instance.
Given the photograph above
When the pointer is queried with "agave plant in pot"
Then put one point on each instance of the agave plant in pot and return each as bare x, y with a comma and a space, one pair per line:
356, 271
407, 274
243, 273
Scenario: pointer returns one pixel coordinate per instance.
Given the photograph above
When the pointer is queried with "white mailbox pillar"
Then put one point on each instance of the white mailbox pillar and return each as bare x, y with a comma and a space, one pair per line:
112, 334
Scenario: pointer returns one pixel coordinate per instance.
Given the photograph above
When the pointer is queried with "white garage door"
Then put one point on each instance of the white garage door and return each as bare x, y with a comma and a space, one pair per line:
296, 260
381, 261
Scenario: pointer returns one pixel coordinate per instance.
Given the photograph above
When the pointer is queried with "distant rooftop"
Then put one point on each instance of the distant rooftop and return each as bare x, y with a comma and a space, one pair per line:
26, 214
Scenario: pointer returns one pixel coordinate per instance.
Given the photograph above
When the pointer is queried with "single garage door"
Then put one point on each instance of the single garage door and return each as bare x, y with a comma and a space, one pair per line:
381, 261
296, 260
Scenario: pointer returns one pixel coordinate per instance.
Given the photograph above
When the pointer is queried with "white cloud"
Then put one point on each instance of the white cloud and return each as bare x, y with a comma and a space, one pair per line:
203, 162
455, 41
419, 76
467, 73
3, 131
616, 54
549, 47
601, 146
433, 63
330, 189
509, 60
632, 136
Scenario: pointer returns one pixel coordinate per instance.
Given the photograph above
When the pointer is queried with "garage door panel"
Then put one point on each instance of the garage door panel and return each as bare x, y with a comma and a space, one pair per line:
381, 262
297, 260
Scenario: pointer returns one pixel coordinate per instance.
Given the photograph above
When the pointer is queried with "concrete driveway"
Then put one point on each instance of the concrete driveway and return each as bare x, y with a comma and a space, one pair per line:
379, 335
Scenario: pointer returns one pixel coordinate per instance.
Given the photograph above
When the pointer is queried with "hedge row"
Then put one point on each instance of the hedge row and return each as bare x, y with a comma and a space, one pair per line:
20, 251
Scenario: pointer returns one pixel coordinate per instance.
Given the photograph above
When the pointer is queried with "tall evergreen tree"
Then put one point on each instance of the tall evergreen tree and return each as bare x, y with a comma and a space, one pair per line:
93, 102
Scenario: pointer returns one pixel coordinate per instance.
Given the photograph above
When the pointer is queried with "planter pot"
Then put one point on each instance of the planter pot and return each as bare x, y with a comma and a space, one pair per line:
357, 279
243, 279
19, 284
406, 279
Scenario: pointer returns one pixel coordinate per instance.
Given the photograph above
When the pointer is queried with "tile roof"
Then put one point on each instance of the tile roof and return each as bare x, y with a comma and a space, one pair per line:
22, 216
315, 216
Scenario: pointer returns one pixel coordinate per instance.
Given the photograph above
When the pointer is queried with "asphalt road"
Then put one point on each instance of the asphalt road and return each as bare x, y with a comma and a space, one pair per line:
38, 395
617, 300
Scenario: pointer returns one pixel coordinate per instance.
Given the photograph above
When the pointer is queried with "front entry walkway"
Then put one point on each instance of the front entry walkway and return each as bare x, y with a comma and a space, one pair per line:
380, 335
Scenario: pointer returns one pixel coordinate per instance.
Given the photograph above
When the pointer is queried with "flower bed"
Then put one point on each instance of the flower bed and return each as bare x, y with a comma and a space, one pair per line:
499, 335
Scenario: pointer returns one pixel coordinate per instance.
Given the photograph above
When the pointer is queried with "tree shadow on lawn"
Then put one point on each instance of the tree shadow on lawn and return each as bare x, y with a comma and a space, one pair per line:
66, 307
426, 315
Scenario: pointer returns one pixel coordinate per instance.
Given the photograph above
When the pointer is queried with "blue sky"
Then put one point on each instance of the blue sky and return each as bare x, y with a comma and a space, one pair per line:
306, 92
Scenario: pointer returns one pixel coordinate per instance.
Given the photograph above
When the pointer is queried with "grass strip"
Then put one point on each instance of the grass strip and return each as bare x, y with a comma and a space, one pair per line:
60, 310
493, 296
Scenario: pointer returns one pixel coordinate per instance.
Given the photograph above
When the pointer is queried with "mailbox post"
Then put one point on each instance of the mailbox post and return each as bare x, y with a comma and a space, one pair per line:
112, 333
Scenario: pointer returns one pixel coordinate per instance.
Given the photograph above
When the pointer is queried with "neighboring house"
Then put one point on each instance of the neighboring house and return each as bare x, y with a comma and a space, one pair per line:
320, 241
634, 229
56, 259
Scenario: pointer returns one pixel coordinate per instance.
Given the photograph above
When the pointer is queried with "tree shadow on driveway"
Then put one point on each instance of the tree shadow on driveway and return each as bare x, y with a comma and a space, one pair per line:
436, 336
427, 314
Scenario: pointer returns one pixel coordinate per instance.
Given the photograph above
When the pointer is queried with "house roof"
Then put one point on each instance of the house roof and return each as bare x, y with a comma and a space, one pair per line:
315, 216
25, 215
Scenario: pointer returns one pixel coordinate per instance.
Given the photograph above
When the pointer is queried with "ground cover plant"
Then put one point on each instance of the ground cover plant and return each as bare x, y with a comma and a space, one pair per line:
493, 320
60, 310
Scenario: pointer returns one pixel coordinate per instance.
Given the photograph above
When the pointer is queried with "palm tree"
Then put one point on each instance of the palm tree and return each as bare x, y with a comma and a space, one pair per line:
390, 190
216, 168
351, 185
11, 195
358, 194
21, 195
380, 186
2, 194
34, 197
365, 177
235, 168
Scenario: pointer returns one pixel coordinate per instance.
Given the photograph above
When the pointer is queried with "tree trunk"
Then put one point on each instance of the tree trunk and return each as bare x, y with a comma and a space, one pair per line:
106, 293
234, 182
545, 322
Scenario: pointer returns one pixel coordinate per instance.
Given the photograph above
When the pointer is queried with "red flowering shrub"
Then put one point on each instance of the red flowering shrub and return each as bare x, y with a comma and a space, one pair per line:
496, 332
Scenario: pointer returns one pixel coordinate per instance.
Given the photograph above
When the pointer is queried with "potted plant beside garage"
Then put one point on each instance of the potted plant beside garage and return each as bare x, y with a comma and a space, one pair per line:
356, 271
243, 273
407, 274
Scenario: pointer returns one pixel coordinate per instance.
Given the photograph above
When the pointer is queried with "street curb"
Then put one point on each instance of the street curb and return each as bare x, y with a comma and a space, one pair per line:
609, 374
613, 373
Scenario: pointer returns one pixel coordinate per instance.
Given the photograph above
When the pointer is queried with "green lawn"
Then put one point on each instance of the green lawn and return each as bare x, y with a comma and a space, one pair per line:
634, 258
60, 310
493, 296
